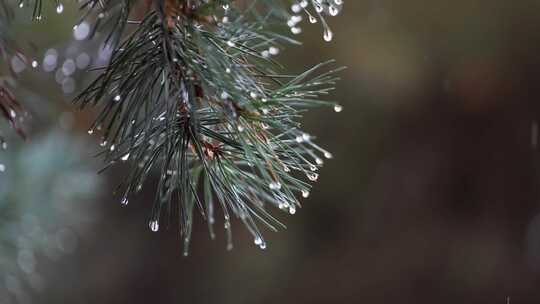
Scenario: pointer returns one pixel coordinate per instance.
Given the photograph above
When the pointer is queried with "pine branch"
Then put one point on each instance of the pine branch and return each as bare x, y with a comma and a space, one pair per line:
201, 101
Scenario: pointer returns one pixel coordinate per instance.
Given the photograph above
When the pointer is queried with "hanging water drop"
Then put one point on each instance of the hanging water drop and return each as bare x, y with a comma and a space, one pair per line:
338, 108
313, 176
328, 35
59, 8
305, 193
154, 226
292, 210
334, 11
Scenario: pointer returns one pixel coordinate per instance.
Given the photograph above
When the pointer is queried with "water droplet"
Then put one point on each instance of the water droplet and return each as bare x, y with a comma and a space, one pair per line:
258, 241
305, 193
154, 226
292, 210
125, 157
2, 168
334, 11
338, 108
328, 35
59, 8
124, 201
273, 50
275, 185
328, 155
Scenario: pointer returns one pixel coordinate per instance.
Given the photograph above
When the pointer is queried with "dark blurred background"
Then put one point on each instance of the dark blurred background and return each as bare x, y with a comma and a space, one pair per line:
432, 196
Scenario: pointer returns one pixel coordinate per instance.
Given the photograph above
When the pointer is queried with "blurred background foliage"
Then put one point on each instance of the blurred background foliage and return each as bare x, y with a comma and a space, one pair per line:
432, 196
